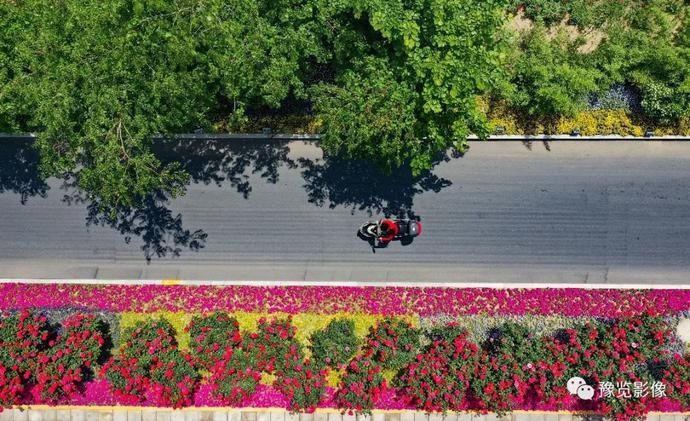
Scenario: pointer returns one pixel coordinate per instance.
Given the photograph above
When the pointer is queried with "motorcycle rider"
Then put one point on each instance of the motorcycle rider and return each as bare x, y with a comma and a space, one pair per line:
387, 231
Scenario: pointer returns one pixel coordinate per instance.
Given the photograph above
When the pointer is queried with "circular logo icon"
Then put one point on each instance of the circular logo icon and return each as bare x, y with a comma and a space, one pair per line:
574, 383
585, 392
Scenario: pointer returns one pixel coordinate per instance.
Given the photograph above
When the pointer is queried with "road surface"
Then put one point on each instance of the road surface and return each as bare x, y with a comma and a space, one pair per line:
570, 212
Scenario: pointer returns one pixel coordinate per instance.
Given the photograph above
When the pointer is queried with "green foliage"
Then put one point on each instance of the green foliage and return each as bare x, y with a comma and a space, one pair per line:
303, 383
97, 81
549, 79
150, 358
175, 378
334, 345
394, 343
547, 11
406, 76
273, 347
582, 13
664, 104
650, 49
211, 337
362, 385
234, 378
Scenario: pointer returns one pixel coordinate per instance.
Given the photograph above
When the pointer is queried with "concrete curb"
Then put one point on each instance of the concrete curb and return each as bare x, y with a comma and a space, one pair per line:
83, 413
315, 137
456, 285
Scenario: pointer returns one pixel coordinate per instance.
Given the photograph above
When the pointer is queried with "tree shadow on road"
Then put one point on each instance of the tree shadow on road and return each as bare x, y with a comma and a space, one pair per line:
161, 231
209, 162
19, 170
330, 181
359, 185
221, 162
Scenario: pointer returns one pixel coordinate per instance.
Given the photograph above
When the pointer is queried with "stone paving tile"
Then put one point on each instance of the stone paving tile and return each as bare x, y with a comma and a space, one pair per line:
192, 415
234, 415
21, 415
148, 414
163, 416
528, 417
6, 415
42, 415
63, 415
219, 416
14, 415
77, 415
134, 415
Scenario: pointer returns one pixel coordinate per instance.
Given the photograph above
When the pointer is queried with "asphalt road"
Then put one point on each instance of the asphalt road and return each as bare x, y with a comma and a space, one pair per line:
572, 212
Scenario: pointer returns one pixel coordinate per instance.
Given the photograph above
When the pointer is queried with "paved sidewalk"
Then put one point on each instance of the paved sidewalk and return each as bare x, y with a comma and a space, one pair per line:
208, 414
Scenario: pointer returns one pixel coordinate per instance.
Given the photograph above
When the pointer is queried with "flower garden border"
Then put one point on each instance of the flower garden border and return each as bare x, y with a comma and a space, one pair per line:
134, 283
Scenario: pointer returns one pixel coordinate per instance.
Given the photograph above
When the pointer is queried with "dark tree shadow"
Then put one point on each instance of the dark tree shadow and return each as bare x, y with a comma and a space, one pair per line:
338, 181
19, 170
207, 161
161, 231
220, 162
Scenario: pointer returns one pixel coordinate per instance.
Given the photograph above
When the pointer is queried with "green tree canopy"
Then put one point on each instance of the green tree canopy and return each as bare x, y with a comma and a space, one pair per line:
406, 76
97, 80
549, 77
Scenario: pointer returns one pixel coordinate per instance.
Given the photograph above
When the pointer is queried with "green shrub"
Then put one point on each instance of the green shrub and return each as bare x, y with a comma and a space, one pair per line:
273, 346
234, 379
149, 360
665, 104
549, 81
362, 385
174, 377
394, 343
303, 383
548, 11
334, 345
211, 336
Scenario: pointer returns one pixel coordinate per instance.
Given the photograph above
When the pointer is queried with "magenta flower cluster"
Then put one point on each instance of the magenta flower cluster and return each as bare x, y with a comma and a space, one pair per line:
326, 299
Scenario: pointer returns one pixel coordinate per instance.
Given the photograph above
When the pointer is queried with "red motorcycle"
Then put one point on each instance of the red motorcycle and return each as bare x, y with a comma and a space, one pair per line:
386, 230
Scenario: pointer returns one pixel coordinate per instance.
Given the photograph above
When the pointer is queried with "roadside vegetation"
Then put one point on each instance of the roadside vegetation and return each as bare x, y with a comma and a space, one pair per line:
357, 349
392, 81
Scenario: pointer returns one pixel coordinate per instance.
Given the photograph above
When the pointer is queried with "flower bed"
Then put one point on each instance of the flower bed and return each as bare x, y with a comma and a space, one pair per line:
327, 300
280, 356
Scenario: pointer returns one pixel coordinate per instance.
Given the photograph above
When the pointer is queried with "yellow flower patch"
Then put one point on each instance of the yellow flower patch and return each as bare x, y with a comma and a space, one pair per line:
178, 320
